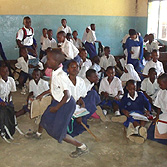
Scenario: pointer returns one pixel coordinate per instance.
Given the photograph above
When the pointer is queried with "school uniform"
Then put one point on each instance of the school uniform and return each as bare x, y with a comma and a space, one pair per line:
85, 35
28, 41
6, 88
47, 43
150, 88
106, 62
161, 102
157, 65
66, 29
132, 74
56, 123
84, 67
91, 100
42, 39
136, 104
23, 66
88, 84
90, 44
71, 52
39, 88
150, 47
137, 47
77, 43
144, 61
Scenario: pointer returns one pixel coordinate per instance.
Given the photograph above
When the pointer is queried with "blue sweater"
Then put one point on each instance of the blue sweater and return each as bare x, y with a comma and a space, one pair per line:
138, 104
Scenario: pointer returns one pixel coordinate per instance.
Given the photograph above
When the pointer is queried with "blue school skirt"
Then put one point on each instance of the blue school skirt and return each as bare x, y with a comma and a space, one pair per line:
91, 49
131, 119
91, 101
56, 123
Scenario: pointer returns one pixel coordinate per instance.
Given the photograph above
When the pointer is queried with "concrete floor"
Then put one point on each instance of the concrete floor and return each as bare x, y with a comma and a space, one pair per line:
113, 149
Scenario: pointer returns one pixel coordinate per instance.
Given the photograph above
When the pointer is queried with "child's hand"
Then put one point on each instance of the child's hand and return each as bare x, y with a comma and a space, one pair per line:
2, 103
131, 52
155, 119
39, 97
147, 113
79, 120
30, 66
116, 97
54, 109
105, 94
126, 113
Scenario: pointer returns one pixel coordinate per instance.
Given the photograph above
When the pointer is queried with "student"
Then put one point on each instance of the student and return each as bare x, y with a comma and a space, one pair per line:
76, 41
85, 63
69, 37
111, 90
25, 37
149, 85
129, 73
90, 42
161, 117
154, 63
85, 34
64, 27
37, 89
7, 118
23, 65
134, 46
107, 59
49, 42
68, 48
146, 58
56, 118
151, 44
96, 67
136, 102
43, 37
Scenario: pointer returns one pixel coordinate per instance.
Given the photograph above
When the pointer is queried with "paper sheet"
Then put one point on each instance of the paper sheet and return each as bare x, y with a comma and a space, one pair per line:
136, 51
139, 116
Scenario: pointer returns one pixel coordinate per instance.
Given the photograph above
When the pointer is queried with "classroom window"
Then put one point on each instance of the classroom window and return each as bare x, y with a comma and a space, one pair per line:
157, 20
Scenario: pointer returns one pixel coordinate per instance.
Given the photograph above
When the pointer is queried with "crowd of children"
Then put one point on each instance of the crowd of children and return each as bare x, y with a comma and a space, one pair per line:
82, 80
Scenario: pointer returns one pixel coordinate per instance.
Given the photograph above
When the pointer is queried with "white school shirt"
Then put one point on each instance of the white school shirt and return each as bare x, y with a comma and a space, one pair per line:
49, 43
84, 67
77, 43
6, 88
112, 88
39, 88
28, 41
158, 66
88, 84
78, 90
67, 29
69, 50
91, 37
161, 100
85, 35
59, 83
152, 46
104, 62
23, 65
42, 38
97, 68
150, 88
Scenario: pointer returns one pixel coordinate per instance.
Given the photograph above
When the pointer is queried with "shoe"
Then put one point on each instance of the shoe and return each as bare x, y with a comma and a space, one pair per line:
100, 113
32, 135
117, 113
79, 152
136, 138
119, 119
130, 130
143, 132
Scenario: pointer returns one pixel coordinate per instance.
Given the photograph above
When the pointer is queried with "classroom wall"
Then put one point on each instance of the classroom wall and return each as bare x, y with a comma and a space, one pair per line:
113, 19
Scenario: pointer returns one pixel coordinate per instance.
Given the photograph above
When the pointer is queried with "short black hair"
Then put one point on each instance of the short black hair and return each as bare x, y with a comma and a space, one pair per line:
44, 29
50, 30
61, 33
68, 35
147, 54
106, 47
130, 82
63, 19
152, 70
72, 61
90, 72
110, 68
74, 31
82, 50
26, 17
163, 77
132, 32
155, 51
